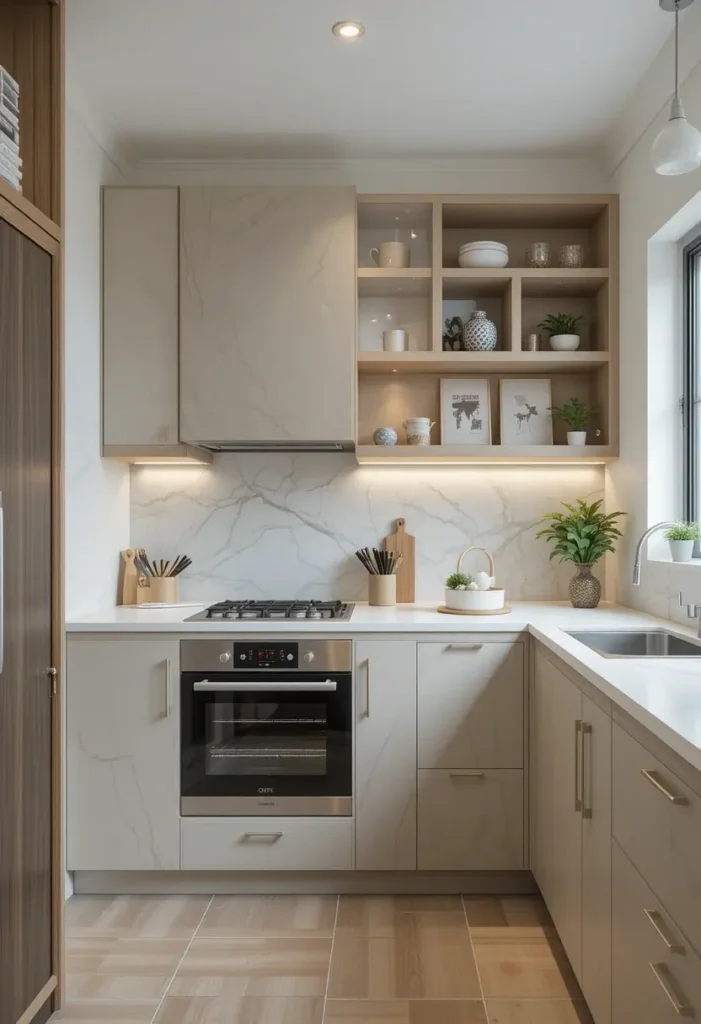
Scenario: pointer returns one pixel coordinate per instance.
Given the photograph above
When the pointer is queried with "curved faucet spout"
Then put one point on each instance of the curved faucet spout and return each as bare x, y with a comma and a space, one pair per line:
641, 544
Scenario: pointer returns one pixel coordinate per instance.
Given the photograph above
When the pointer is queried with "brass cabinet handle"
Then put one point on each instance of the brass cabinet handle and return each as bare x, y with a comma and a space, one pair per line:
667, 983
658, 923
467, 773
270, 837
52, 673
465, 647
577, 772
367, 688
587, 731
653, 777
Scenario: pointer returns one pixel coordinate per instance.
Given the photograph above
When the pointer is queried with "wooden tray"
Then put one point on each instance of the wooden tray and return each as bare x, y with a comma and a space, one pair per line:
506, 610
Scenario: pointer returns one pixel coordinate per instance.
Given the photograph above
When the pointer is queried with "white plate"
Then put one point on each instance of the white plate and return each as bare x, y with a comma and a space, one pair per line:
483, 245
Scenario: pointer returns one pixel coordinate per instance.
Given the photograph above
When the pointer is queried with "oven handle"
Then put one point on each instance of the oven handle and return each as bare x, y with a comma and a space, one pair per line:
307, 687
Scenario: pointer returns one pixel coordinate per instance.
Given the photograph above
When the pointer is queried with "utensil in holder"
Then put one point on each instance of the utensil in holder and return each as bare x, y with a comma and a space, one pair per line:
158, 590
382, 590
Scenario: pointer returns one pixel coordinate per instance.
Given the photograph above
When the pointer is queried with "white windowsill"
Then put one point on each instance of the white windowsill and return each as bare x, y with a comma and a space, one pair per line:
692, 566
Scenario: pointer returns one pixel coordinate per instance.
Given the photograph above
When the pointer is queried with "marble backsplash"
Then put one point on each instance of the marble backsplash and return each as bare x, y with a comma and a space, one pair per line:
277, 525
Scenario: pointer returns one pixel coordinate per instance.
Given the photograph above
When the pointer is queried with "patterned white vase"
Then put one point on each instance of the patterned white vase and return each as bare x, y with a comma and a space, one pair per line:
480, 334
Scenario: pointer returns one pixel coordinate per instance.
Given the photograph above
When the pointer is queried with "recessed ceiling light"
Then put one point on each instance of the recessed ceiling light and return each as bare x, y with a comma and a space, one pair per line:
348, 29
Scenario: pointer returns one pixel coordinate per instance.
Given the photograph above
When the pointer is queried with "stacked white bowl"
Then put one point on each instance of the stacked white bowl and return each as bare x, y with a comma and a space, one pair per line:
483, 254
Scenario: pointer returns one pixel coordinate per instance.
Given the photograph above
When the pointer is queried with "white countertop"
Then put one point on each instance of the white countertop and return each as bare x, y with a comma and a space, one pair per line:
664, 695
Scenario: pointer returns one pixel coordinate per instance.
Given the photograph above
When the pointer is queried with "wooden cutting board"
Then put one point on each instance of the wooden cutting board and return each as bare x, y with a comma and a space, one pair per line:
402, 543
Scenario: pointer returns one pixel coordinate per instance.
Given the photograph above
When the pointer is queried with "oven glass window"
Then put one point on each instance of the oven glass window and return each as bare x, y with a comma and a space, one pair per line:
265, 738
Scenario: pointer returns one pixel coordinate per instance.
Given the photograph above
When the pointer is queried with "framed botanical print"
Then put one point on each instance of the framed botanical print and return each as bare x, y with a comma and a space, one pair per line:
465, 411
525, 412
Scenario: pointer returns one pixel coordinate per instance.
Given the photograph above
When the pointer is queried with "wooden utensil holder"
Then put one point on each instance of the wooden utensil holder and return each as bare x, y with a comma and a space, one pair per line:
382, 590
158, 590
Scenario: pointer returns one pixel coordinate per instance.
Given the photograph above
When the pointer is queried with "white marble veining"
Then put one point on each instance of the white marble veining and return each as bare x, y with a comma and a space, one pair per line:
277, 525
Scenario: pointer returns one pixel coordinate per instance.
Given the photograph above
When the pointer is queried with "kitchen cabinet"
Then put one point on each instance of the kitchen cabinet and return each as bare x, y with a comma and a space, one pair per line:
267, 316
122, 784
267, 844
385, 755
570, 824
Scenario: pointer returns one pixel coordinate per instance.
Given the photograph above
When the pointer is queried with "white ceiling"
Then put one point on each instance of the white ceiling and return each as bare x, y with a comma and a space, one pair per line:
438, 78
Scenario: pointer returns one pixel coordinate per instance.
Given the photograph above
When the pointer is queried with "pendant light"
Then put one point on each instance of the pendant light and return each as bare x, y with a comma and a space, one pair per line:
677, 149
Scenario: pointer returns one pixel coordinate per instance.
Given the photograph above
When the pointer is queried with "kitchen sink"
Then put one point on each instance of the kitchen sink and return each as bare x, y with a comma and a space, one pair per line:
653, 643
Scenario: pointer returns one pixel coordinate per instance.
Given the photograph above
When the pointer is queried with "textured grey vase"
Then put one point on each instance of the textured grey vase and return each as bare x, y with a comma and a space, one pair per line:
585, 589
479, 334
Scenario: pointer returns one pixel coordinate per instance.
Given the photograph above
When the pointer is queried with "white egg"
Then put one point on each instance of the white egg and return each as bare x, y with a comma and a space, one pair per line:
472, 586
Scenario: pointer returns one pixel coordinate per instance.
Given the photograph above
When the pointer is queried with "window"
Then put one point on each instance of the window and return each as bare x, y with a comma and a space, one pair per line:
692, 380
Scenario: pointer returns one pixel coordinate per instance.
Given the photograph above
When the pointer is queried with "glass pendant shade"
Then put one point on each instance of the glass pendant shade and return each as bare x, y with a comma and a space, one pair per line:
677, 149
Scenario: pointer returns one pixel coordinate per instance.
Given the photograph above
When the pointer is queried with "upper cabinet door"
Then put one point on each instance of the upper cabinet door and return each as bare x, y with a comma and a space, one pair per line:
140, 316
267, 314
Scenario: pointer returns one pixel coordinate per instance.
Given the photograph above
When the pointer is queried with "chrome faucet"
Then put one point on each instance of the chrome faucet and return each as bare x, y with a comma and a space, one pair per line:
641, 544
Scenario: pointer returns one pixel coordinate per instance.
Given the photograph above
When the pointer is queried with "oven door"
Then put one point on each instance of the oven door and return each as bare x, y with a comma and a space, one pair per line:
266, 743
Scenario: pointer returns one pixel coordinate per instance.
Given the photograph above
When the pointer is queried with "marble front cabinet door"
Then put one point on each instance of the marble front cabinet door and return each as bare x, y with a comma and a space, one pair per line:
122, 742
267, 314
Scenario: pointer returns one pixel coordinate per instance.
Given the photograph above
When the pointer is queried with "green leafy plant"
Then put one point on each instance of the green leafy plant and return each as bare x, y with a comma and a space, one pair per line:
561, 323
684, 531
583, 535
458, 580
574, 413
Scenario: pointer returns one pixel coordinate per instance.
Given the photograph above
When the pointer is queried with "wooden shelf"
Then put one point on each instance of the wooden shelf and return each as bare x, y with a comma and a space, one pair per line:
409, 455
22, 204
547, 282
482, 362
376, 282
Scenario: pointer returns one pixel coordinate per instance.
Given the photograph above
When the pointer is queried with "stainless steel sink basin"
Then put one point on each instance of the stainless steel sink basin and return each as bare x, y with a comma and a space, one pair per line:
653, 643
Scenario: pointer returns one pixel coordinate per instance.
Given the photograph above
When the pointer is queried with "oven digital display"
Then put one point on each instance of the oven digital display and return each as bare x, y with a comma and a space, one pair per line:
249, 655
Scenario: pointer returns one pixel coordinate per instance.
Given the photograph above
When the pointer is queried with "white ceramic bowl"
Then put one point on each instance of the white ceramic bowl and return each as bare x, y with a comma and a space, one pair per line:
483, 258
564, 342
475, 600
484, 245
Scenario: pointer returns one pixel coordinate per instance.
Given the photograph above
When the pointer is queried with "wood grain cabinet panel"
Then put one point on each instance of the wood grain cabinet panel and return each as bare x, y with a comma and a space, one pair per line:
123, 758
470, 712
267, 314
470, 821
385, 756
140, 316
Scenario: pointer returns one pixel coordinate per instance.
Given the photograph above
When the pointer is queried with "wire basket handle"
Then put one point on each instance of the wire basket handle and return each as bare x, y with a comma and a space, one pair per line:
467, 551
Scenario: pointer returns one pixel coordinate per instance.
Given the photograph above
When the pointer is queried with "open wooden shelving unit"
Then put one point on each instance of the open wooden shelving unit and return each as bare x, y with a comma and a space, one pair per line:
393, 386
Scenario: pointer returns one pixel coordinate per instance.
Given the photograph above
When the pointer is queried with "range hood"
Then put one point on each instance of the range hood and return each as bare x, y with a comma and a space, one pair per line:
276, 446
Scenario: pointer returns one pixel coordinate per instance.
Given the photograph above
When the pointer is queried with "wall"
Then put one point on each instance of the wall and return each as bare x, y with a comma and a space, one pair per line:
279, 525
655, 213
97, 492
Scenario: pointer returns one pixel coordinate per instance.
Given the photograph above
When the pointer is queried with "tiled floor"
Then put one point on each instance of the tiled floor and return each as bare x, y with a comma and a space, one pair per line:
308, 959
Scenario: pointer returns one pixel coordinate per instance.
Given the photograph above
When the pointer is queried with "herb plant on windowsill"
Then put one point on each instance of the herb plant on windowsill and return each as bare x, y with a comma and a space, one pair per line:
576, 415
582, 536
681, 540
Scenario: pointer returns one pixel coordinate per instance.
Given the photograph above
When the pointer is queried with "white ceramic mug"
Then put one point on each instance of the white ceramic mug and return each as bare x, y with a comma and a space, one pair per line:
418, 430
391, 254
395, 341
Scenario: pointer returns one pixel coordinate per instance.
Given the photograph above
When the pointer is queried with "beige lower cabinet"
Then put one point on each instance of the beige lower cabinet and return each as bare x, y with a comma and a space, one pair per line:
385, 755
122, 748
267, 844
470, 820
570, 824
656, 973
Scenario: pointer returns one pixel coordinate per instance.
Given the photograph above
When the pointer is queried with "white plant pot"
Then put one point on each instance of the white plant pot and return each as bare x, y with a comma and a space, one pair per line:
682, 550
575, 437
475, 600
564, 342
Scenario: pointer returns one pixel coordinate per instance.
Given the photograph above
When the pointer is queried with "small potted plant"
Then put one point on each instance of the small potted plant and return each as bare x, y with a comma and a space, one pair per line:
453, 334
681, 540
576, 415
456, 590
582, 536
467, 593
562, 329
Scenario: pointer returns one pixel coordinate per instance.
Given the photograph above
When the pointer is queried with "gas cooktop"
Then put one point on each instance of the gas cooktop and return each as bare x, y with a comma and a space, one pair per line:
337, 611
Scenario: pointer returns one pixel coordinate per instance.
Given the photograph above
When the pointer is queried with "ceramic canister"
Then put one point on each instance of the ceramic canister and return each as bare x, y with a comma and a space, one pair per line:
395, 341
418, 430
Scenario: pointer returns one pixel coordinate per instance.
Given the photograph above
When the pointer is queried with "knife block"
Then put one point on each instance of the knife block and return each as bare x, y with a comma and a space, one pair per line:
158, 590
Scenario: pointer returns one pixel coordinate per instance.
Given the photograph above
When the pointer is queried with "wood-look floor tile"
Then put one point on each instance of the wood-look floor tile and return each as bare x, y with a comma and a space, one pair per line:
120, 968
134, 917
282, 916
493, 915
228, 968
403, 1011
241, 1010
424, 956
538, 1011
107, 1011
524, 967
374, 915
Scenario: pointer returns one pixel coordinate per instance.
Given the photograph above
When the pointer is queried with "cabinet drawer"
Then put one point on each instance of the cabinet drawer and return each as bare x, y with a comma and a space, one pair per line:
470, 822
471, 699
266, 844
656, 974
657, 821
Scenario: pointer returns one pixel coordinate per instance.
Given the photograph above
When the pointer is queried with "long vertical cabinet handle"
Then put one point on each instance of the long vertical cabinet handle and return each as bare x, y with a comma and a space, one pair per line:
367, 688
169, 683
2, 587
577, 765
587, 738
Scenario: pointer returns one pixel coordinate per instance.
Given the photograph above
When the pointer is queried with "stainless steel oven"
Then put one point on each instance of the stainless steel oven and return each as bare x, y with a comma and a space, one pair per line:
266, 727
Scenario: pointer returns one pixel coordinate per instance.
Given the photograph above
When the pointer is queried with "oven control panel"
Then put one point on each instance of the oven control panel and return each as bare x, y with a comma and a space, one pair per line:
266, 655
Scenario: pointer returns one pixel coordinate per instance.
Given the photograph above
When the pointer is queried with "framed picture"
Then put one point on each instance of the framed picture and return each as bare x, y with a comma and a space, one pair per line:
465, 411
525, 412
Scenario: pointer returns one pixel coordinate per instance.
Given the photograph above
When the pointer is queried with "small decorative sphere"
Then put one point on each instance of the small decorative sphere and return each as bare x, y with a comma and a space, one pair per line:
461, 586
385, 436
472, 586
